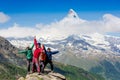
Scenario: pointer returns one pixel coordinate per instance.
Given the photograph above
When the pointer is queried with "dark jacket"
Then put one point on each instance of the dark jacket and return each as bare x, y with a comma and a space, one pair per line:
49, 54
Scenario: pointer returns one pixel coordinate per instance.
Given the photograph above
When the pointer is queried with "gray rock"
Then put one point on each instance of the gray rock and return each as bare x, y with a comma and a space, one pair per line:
48, 75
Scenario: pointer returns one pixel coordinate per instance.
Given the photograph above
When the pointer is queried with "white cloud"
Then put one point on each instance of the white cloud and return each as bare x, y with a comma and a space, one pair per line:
69, 26
3, 17
18, 32
111, 23
65, 27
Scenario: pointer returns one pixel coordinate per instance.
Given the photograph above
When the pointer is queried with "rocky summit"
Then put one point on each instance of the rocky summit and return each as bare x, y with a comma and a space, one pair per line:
48, 75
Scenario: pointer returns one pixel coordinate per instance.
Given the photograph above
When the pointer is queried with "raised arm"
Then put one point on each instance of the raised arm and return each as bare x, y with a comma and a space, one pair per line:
55, 52
23, 52
32, 45
35, 42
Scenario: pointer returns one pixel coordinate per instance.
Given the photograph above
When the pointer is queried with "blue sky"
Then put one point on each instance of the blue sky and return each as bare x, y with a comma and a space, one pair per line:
36, 10
31, 12
52, 6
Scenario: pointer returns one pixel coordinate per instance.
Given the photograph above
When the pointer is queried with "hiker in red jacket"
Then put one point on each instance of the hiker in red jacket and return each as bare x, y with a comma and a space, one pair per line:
37, 52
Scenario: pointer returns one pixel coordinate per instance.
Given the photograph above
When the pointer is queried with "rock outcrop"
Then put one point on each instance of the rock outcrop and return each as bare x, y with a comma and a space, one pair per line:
46, 76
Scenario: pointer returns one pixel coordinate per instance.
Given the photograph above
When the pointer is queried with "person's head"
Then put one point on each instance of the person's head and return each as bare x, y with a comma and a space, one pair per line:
48, 49
27, 47
42, 46
38, 45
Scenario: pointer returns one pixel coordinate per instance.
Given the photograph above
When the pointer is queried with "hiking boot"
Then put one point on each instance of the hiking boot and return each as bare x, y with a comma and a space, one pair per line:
28, 73
52, 71
42, 71
39, 74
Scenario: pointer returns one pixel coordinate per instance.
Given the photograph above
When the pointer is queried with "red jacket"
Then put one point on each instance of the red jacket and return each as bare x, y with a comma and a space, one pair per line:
37, 50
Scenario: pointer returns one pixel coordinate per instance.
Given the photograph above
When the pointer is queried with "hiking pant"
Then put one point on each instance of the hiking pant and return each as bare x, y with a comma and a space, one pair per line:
50, 62
42, 66
35, 63
28, 64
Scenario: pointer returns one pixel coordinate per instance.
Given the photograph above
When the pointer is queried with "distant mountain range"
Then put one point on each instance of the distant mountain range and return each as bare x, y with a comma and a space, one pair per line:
95, 42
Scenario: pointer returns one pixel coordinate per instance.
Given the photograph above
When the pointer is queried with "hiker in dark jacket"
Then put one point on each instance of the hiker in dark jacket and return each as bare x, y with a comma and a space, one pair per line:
29, 55
49, 54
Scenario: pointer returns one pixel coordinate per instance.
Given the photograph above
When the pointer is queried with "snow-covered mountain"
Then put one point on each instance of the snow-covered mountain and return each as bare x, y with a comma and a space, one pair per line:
72, 18
77, 42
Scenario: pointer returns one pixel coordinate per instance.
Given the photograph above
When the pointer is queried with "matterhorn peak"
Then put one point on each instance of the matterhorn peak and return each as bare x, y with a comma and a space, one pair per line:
72, 14
72, 18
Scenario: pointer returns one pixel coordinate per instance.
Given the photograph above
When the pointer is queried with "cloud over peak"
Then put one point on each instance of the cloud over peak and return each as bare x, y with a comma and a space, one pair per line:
111, 23
3, 17
69, 25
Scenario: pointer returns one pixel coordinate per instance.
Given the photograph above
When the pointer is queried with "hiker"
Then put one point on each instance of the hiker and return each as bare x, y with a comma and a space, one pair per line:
49, 54
42, 58
29, 55
36, 55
